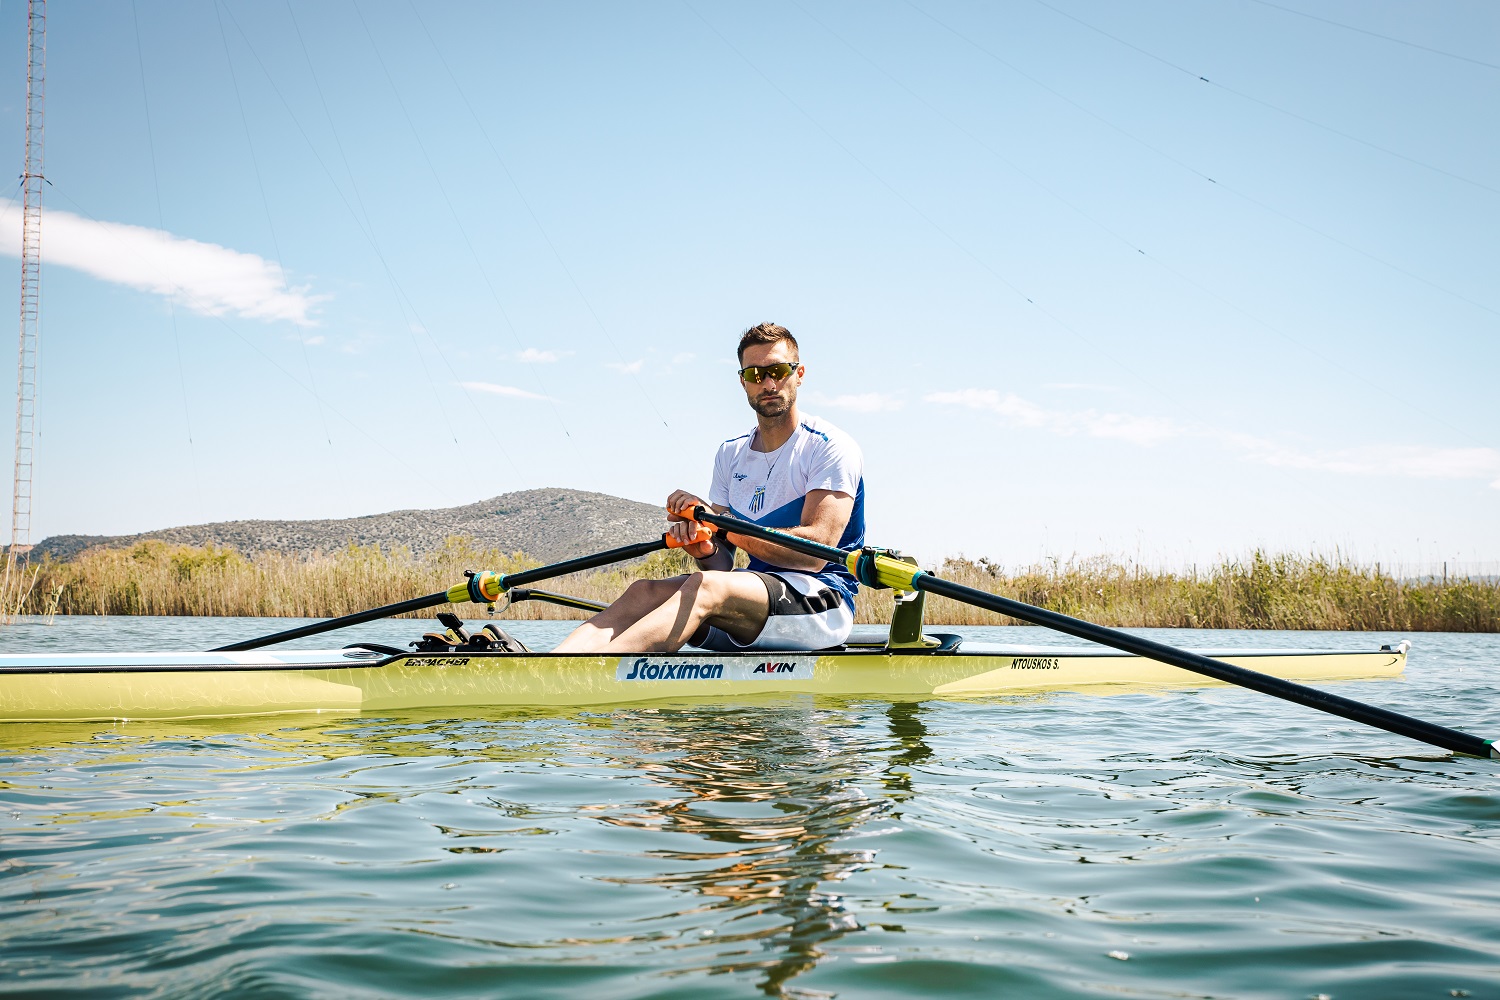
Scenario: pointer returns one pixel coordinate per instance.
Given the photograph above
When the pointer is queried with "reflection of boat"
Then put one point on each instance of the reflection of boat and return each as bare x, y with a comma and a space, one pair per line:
772, 796
217, 684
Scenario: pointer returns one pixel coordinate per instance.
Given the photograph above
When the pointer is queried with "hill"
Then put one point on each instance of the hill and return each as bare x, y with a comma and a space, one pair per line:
547, 524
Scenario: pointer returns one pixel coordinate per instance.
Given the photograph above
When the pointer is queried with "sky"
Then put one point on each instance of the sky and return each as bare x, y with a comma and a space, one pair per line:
1166, 281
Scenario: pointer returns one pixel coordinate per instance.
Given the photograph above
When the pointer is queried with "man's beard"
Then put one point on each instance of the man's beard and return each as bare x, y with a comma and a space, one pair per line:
777, 406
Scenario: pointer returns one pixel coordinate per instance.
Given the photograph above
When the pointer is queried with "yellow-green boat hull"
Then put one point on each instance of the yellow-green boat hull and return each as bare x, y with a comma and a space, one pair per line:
213, 685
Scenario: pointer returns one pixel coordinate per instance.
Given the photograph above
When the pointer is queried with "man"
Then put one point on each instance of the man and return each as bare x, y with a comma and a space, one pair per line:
793, 472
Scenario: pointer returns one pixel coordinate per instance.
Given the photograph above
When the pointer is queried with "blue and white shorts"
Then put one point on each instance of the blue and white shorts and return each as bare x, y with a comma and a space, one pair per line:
806, 614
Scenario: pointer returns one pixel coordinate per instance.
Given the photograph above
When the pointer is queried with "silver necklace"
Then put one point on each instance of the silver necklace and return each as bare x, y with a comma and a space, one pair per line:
771, 465
771, 462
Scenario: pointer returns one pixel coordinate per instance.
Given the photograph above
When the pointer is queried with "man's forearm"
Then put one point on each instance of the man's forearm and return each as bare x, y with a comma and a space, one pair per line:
778, 555
722, 558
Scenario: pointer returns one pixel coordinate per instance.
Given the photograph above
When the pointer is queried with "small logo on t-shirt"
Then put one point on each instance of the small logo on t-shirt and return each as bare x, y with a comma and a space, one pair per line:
758, 500
740, 477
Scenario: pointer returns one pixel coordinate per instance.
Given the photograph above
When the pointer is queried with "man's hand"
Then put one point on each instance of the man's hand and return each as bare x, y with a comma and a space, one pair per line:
682, 500
680, 526
684, 530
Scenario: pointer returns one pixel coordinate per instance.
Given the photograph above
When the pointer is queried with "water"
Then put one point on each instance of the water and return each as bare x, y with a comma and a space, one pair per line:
1204, 842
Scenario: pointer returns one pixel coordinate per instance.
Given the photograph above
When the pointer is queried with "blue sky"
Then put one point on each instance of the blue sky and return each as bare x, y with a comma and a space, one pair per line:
1168, 280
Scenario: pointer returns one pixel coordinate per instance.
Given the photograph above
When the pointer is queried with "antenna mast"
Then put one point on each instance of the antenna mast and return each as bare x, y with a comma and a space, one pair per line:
31, 267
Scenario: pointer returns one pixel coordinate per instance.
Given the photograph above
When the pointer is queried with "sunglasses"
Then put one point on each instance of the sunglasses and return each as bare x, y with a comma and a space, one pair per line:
782, 369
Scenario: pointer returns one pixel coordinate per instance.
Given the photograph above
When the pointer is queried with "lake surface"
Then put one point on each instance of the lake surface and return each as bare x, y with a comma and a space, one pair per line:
1208, 842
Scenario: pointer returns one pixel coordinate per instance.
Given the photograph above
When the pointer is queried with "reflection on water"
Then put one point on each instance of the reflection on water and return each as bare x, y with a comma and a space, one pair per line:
772, 792
745, 809
909, 736
788, 847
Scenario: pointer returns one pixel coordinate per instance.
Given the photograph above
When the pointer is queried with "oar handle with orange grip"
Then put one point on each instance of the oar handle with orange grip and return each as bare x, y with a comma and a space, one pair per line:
701, 533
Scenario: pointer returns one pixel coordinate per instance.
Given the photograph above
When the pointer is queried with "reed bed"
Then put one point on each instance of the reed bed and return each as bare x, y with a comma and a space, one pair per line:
157, 578
1260, 591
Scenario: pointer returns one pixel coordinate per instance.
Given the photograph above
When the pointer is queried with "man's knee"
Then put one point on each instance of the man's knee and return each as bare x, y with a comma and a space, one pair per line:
655, 590
639, 587
709, 589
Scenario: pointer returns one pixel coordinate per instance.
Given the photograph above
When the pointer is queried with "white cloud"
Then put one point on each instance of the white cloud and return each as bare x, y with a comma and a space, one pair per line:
1411, 461
864, 402
204, 277
501, 390
359, 342
1021, 412
532, 356
628, 368
314, 341
683, 357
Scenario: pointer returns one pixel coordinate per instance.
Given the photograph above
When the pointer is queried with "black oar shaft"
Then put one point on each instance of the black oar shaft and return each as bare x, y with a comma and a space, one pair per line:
358, 618
562, 600
806, 546
1380, 718
433, 600
594, 561
1358, 711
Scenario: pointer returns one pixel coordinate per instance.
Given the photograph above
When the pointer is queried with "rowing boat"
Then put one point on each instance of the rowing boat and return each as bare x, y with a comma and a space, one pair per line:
489, 669
112, 686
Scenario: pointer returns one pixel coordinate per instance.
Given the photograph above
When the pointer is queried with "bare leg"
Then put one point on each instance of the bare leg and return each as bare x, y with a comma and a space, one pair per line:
734, 602
640, 598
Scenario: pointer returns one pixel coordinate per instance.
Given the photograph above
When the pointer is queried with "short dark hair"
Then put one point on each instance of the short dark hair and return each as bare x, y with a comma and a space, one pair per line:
766, 333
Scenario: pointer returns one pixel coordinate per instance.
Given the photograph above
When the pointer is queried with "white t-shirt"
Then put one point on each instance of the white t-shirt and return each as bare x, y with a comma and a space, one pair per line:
769, 488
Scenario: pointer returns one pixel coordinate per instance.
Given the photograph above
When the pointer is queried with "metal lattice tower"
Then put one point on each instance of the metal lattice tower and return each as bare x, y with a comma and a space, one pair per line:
31, 274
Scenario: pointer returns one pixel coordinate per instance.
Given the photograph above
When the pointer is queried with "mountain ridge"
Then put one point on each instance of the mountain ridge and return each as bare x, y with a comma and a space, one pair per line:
547, 524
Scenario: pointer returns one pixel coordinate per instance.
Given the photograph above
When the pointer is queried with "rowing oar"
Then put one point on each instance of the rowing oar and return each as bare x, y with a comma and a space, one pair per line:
876, 568
480, 588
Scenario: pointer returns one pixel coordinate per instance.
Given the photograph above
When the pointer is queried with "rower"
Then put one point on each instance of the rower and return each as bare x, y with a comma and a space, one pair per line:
794, 472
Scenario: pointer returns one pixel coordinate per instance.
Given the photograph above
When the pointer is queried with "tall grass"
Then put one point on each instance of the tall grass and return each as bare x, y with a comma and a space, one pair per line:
1261, 591
157, 578
17, 581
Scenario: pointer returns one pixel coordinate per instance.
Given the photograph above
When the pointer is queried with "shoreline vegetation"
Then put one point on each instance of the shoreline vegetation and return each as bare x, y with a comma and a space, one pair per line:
1261, 591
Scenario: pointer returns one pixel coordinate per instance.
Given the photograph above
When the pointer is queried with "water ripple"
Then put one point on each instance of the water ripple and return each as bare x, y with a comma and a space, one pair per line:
1180, 844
